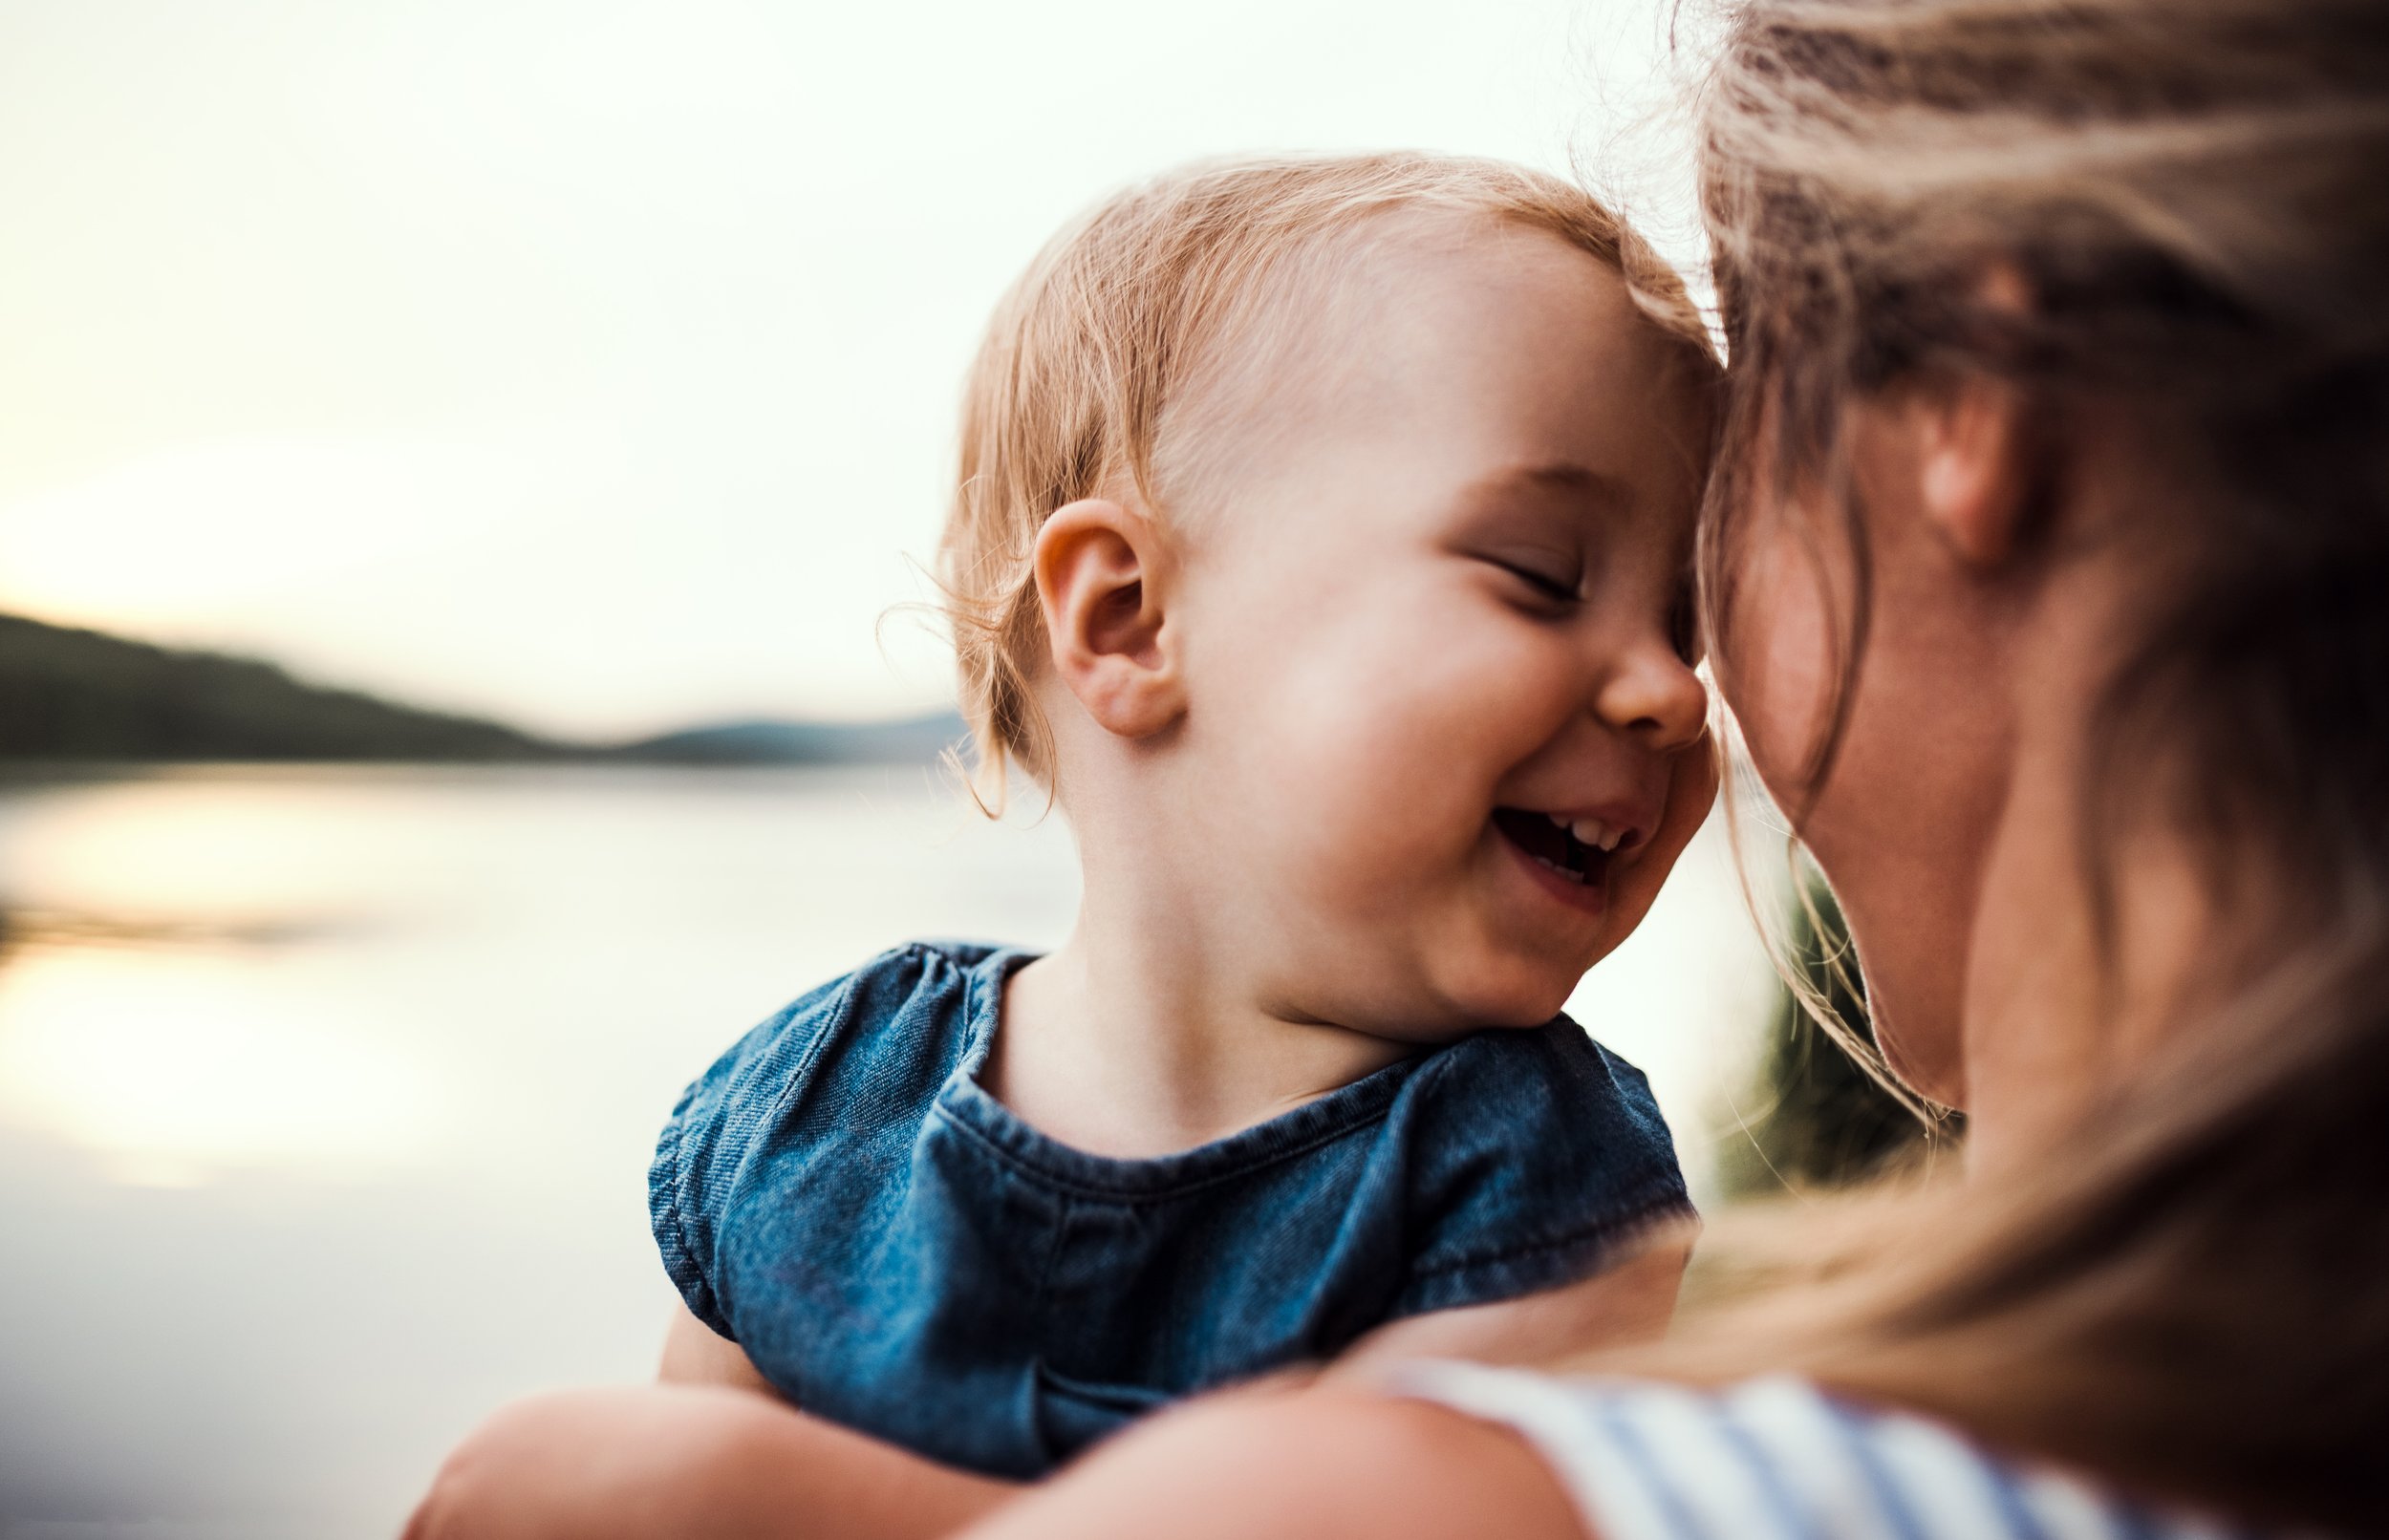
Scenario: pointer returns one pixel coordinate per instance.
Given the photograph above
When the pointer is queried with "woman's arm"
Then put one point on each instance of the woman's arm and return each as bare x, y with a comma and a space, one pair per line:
1329, 1463
1631, 1302
712, 1451
658, 1460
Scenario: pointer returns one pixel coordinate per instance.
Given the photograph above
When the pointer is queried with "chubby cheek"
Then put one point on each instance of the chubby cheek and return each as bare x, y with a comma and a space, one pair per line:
1384, 743
1692, 791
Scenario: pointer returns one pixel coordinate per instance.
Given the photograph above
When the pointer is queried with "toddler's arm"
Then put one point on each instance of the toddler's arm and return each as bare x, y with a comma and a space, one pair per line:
694, 1354
649, 1461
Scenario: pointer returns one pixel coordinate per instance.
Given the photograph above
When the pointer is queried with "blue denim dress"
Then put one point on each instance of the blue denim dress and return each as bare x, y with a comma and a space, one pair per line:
898, 1252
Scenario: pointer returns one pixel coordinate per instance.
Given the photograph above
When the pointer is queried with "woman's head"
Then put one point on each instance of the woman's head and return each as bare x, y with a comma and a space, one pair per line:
2113, 276
2046, 568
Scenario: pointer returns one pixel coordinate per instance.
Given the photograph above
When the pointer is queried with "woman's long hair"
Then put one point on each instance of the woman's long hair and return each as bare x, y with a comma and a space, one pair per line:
2191, 1297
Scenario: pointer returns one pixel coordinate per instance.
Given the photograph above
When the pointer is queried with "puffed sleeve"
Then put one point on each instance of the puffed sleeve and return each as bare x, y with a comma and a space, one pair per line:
713, 1136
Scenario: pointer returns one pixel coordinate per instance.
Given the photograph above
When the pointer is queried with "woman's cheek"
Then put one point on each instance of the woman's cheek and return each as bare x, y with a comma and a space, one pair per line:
1775, 673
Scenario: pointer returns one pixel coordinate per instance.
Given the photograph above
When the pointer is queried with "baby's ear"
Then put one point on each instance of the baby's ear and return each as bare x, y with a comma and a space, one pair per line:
1103, 581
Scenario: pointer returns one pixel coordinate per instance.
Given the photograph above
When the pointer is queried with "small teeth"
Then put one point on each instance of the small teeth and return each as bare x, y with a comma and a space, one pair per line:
1594, 832
1552, 865
1590, 831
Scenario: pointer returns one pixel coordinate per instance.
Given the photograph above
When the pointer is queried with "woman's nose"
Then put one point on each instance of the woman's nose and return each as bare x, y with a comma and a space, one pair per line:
1655, 695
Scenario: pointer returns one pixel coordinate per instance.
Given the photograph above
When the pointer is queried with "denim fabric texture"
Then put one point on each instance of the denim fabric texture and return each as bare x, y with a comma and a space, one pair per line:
898, 1252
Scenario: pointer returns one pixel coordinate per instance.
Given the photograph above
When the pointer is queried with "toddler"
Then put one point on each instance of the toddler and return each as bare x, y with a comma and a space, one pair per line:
1322, 548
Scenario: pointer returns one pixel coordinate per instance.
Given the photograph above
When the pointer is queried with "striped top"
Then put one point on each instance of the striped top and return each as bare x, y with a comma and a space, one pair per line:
1775, 1459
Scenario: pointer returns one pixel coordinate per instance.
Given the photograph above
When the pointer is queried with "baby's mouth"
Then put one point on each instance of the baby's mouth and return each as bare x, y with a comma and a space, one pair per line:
1554, 844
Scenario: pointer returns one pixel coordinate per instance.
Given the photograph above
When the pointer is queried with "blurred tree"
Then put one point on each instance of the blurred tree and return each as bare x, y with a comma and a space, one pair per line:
79, 694
84, 695
1819, 1119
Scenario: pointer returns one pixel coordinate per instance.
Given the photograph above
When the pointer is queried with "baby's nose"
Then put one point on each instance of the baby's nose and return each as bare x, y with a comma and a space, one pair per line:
1654, 697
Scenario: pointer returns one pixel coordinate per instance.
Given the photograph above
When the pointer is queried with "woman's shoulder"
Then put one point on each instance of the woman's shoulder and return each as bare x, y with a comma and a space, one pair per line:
1778, 1458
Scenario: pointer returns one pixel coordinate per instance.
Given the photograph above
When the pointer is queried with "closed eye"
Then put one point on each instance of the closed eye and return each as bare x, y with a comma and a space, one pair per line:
1546, 585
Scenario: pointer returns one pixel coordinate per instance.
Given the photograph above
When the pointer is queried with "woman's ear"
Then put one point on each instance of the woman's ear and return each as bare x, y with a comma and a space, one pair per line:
1103, 581
1974, 479
1975, 476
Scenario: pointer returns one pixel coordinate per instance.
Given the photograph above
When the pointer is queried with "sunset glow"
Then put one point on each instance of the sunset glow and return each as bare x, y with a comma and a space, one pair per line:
594, 365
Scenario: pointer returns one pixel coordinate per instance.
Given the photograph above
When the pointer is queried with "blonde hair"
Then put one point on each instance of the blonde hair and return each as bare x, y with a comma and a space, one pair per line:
2188, 1297
1113, 326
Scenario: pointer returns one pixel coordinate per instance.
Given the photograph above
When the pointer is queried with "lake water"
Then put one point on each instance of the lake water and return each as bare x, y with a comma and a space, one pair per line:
325, 1095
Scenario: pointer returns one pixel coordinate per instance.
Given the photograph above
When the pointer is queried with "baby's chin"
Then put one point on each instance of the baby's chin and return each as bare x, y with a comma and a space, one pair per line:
1513, 993
1525, 1012
1444, 981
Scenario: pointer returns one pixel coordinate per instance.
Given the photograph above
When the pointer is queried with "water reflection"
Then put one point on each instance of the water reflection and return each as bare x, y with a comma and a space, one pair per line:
325, 1095
177, 1067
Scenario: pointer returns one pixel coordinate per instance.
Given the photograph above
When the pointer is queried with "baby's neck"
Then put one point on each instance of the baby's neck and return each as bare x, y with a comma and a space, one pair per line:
1139, 1045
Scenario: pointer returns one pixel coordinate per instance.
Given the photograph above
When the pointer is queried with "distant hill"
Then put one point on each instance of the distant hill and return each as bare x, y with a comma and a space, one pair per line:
67, 694
81, 695
778, 742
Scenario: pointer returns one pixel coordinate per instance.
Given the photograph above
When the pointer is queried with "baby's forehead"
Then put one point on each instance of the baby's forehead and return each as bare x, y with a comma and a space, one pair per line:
1320, 298
1453, 324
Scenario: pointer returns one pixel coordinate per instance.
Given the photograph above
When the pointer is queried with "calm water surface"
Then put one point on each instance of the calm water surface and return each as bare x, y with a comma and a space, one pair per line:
326, 1095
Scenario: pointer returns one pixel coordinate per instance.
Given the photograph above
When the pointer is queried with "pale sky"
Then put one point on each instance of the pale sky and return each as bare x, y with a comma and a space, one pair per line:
593, 364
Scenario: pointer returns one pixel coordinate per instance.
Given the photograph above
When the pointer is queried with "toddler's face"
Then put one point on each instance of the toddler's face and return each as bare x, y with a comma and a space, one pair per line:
1441, 720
